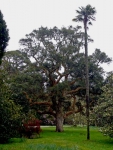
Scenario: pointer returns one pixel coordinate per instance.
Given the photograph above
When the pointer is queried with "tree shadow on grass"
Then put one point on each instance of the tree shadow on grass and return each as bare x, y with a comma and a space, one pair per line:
50, 147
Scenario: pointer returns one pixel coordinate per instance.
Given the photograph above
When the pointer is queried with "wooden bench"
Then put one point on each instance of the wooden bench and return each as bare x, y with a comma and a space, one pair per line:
31, 127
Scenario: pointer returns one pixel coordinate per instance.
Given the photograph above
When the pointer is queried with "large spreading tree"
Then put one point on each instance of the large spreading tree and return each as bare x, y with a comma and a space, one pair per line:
54, 53
59, 66
48, 86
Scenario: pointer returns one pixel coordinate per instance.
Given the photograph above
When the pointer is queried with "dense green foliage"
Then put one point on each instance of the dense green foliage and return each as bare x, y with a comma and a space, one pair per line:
9, 112
61, 65
104, 109
48, 73
9, 120
4, 36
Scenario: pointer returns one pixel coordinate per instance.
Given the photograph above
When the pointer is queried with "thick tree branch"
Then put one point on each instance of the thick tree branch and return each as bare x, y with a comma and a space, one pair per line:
71, 83
47, 112
41, 103
30, 100
74, 91
27, 97
72, 112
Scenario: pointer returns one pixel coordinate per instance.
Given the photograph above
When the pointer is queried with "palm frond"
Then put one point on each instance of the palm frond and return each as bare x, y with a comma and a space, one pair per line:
85, 14
89, 23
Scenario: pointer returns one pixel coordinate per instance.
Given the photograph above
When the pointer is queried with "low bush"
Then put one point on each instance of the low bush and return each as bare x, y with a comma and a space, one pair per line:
9, 119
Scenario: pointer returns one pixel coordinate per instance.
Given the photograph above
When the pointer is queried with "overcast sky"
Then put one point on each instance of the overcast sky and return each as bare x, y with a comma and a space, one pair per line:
23, 16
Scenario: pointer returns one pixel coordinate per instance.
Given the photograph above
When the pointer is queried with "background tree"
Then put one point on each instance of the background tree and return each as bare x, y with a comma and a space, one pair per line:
4, 36
104, 109
86, 15
56, 58
15, 64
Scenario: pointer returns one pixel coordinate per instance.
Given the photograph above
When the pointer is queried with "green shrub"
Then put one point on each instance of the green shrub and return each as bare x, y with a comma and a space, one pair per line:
9, 120
104, 109
9, 112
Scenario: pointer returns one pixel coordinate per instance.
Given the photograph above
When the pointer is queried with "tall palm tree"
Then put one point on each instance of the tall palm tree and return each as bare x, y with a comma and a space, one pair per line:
86, 15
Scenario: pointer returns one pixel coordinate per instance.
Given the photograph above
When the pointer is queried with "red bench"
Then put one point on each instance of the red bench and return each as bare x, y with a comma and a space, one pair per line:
30, 127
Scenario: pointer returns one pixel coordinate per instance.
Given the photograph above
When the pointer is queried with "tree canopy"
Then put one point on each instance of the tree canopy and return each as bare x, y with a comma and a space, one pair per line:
4, 36
49, 72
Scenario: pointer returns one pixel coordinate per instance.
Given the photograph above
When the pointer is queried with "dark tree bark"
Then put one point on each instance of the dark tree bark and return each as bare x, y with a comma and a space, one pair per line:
59, 117
87, 81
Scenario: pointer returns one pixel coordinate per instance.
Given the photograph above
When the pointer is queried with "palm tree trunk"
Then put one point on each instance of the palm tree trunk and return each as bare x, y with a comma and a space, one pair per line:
87, 82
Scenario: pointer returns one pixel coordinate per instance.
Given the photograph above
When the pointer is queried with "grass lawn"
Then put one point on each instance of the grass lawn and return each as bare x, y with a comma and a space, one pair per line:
73, 138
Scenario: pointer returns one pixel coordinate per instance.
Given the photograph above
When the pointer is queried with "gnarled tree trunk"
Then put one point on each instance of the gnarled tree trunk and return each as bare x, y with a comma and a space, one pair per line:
59, 118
